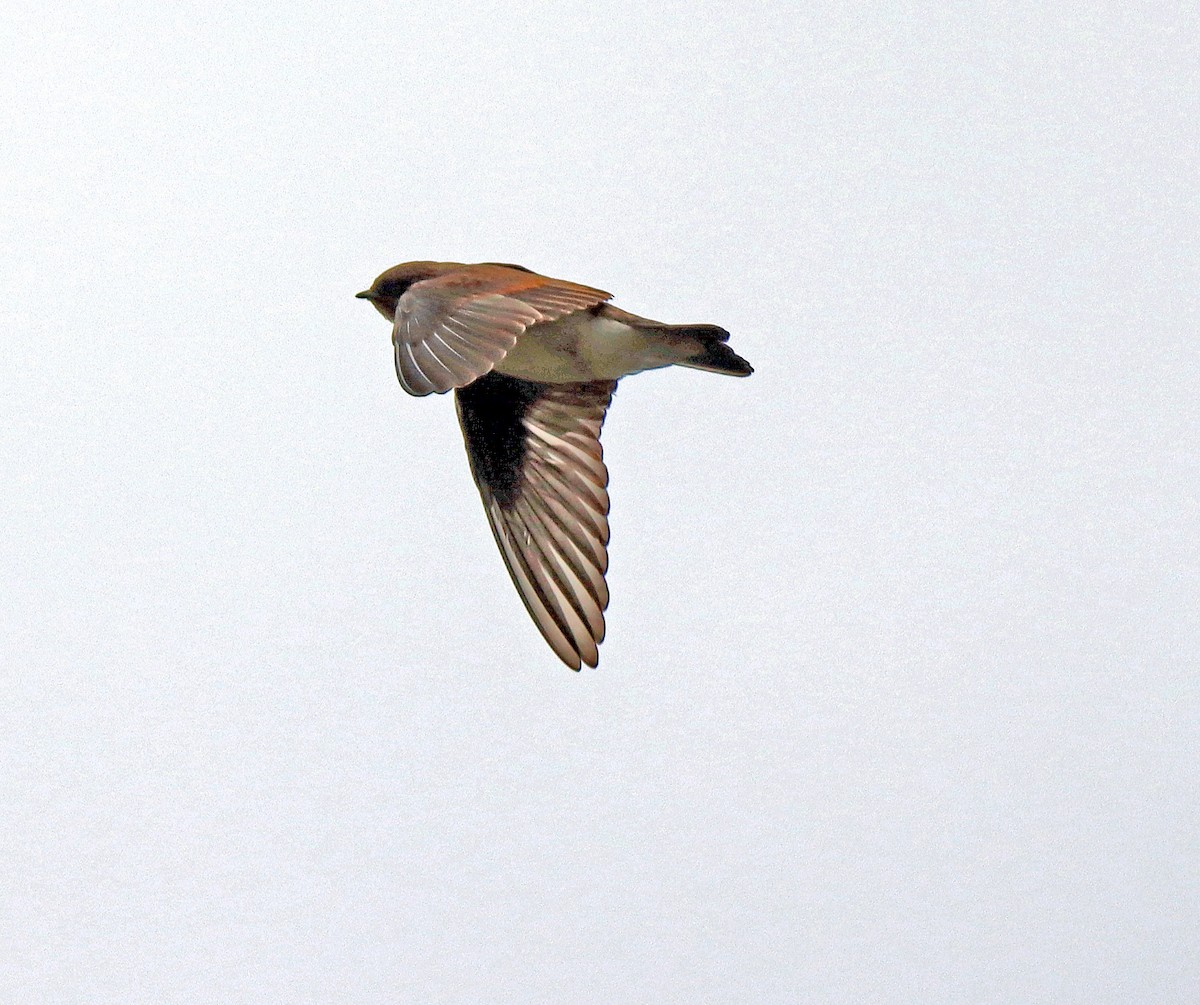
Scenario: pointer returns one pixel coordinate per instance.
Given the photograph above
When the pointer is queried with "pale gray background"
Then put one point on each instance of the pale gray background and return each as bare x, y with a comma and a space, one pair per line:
899, 698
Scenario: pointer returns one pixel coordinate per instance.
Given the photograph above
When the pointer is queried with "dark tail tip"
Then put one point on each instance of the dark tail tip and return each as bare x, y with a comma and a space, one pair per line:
719, 358
703, 347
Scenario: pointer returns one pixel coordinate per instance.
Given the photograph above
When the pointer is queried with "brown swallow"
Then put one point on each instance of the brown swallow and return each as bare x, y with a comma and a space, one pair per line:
533, 362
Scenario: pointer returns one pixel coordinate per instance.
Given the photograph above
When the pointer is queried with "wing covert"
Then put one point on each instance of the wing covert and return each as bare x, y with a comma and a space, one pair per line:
450, 330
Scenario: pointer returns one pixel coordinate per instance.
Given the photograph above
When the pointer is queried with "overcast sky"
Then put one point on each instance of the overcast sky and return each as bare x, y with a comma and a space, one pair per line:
898, 701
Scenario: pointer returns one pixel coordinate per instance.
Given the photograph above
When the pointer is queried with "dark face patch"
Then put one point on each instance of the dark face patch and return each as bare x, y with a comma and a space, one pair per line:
394, 289
492, 409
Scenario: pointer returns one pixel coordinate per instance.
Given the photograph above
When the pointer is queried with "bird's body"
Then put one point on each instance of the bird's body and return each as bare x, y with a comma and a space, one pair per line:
534, 362
585, 345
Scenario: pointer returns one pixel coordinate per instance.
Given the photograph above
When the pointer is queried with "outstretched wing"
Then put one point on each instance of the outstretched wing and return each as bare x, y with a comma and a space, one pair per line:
453, 329
536, 457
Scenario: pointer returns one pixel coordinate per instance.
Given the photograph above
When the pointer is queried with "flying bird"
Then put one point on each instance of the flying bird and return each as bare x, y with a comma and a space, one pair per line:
533, 363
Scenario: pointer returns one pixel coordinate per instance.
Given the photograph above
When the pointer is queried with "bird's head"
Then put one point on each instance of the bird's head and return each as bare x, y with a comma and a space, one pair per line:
390, 286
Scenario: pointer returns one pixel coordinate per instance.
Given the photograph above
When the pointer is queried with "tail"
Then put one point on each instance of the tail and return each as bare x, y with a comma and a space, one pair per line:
701, 347
706, 349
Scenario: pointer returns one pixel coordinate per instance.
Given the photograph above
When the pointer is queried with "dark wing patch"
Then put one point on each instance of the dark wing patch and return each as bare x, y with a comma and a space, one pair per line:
492, 412
536, 457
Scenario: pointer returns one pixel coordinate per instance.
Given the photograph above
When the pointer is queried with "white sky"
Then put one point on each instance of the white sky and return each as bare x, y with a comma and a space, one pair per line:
899, 699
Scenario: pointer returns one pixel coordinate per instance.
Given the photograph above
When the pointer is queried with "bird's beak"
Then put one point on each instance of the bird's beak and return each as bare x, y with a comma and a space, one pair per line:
366, 295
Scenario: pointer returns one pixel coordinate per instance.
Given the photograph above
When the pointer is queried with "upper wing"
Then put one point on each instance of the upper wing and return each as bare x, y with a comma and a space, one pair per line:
453, 329
535, 454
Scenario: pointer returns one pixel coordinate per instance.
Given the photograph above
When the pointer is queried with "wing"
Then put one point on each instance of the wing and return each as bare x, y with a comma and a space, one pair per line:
536, 457
453, 329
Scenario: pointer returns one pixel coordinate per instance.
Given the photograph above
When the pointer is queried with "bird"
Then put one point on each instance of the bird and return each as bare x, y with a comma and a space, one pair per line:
533, 363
